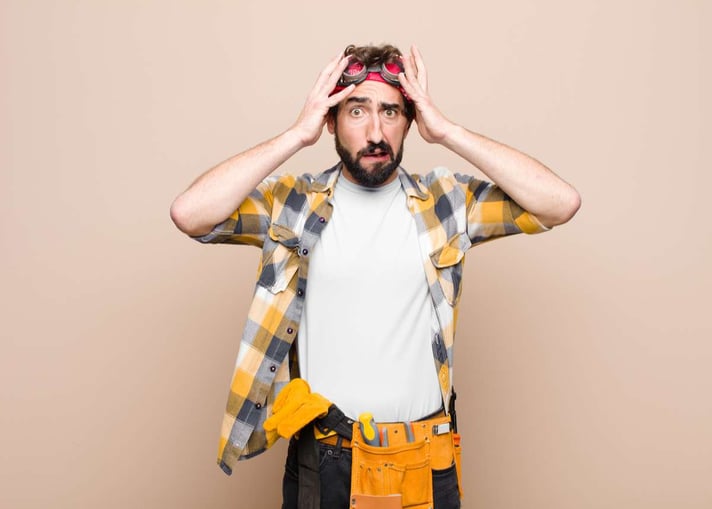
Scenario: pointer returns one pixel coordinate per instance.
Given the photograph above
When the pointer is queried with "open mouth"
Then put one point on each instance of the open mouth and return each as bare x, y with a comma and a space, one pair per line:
377, 156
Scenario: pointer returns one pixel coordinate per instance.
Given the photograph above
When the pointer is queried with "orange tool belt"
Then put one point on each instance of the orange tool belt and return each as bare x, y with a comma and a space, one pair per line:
396, 475
399, 474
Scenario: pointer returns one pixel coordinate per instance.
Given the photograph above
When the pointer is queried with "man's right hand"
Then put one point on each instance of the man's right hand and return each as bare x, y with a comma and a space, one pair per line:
216, 194
311, 120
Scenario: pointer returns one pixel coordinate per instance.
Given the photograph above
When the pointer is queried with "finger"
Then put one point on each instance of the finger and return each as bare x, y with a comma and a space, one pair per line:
340, 96
328, 70
337, 73
409, 79
420, 66
413, 93
408, 66
333, 63
329, 79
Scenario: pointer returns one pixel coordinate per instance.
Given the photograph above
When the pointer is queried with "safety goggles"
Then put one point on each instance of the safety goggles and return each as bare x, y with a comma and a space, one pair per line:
357, 72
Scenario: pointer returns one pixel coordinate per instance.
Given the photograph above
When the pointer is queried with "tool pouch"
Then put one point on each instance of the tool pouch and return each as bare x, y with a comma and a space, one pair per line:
386, 472
381, 475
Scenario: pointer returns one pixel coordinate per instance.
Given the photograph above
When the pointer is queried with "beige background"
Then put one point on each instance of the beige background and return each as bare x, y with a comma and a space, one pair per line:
583, 354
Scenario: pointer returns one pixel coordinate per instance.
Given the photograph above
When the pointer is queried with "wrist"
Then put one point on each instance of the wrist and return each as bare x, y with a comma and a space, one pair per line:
295, 138
449, 135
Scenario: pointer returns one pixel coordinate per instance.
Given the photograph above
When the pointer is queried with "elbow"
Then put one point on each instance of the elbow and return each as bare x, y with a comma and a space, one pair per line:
183, 218
568, 206
571, 206
179, 215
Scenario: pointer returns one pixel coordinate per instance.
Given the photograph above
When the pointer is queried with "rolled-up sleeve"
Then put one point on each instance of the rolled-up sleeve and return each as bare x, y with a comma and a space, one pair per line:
491, 213
250, 223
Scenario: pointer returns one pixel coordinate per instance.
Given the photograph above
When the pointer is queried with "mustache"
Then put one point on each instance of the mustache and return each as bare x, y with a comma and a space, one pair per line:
372, 148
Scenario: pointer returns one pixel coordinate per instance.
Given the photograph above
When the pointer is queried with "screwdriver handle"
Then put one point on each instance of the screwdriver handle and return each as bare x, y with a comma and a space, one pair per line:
368, 428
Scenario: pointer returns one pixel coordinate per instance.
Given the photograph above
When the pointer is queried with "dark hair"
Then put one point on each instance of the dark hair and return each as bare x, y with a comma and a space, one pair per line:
376, 55
373, 55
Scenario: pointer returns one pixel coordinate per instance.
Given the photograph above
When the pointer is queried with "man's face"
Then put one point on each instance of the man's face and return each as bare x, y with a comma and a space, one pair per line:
369, 130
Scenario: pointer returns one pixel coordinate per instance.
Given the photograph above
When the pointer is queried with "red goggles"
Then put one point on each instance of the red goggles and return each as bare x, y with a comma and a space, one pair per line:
357, 72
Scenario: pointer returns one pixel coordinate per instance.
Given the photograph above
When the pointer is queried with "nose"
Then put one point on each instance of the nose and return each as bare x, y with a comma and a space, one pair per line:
375, 132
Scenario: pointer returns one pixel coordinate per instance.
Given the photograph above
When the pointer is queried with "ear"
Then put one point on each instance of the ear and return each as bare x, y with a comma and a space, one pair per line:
331, 123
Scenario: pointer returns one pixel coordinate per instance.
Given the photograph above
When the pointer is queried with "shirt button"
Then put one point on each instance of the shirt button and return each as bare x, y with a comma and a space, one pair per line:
300, 292
273, 368
322, 220
305, 252
258, 405
289, 330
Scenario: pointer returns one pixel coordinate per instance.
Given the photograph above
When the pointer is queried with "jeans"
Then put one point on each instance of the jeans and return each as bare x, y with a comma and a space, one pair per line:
335, 477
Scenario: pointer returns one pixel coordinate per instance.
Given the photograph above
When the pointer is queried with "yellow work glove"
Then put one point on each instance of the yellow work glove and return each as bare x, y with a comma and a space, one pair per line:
295, 407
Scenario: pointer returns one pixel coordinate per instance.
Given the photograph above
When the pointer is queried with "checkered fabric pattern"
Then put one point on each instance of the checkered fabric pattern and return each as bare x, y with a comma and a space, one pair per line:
284, 216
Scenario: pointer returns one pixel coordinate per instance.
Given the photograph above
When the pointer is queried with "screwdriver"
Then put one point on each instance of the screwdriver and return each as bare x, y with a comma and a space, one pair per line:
368, 428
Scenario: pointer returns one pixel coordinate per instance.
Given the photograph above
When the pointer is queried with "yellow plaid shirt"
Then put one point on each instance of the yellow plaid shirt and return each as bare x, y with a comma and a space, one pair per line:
285, 216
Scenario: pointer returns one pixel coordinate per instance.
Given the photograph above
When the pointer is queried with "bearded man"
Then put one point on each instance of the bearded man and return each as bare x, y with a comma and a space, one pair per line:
347, 350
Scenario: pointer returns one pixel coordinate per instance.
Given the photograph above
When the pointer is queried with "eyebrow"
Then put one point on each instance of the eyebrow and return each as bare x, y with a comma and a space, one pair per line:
364, 100
359, 100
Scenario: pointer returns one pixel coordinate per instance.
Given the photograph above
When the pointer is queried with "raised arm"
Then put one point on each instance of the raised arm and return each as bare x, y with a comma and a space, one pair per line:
527, 181
218, 192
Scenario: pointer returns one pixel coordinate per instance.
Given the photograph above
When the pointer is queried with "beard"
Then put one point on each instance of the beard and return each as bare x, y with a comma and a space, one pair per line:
379, 173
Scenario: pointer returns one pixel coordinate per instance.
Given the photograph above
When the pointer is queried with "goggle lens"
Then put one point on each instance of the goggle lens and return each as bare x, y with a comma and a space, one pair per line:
393, 68
354, 69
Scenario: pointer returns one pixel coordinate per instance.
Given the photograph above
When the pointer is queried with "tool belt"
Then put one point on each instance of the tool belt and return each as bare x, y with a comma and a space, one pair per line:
399, 474
393, 473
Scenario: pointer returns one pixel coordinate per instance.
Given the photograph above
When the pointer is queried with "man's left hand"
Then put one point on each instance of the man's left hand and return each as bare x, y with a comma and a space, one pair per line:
432, 125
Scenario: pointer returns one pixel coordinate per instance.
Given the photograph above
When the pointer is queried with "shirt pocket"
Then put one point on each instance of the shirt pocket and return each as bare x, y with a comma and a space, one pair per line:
448, 261
280, 260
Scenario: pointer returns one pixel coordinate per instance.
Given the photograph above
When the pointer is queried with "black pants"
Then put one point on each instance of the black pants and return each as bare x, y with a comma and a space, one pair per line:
335, 477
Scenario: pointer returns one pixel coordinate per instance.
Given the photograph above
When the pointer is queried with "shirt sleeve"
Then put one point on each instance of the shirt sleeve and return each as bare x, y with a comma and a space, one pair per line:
250, 223
491, 213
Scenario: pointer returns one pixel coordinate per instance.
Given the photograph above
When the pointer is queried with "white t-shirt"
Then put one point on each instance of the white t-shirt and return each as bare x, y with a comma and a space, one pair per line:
364, 340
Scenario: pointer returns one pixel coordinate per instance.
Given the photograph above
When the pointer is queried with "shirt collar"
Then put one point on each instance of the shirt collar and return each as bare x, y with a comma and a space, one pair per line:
411, 186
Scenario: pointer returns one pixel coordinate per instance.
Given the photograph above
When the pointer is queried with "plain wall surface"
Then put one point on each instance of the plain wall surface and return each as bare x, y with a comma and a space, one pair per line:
583, 354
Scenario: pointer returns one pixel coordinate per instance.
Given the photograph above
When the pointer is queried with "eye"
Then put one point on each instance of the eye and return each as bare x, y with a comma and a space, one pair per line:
390, 113
356, 112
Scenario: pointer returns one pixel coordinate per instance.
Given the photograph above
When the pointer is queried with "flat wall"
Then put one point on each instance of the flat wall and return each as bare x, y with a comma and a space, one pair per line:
582, 355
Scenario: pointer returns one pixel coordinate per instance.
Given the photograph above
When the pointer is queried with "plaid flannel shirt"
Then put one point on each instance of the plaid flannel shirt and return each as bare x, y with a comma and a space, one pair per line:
284, 216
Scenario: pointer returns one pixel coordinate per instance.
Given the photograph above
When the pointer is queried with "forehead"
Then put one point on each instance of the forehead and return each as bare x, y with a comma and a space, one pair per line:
377, 92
